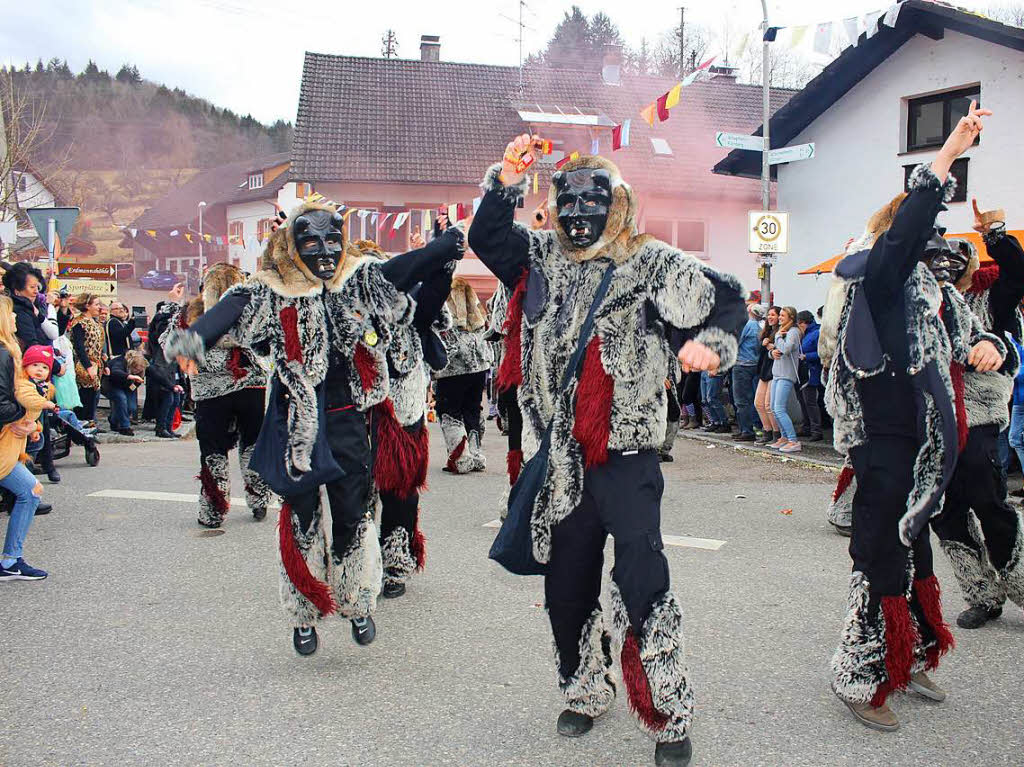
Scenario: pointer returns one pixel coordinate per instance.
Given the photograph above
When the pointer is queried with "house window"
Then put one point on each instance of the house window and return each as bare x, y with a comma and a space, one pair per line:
235, 231
959, 171
930, 119
255, 180
263, 228
661, 147
685, 235
22, 183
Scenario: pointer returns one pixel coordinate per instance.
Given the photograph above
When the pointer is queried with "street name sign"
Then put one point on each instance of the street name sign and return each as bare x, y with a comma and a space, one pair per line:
739, 141
101, 288
769, 231
791, 154
86, 271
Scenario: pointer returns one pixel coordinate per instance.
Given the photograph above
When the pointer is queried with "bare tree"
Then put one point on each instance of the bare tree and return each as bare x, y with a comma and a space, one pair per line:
1008, 13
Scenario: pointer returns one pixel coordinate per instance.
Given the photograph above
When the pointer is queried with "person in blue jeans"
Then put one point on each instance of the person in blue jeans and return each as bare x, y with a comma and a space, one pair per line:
744, 373
811, 392
785, 352
1016, 431
711, 396
125, 373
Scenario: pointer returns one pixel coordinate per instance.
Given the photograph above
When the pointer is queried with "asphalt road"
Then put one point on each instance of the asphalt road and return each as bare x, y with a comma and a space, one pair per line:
154, 644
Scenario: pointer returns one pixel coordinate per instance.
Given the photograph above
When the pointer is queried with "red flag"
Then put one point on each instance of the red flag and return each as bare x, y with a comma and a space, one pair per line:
564, 160
663, 107
620, 135
461, 211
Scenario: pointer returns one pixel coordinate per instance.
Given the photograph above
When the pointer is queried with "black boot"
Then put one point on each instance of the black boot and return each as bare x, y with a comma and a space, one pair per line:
574, 725
92, 453
43, 508
393, 590
364, 630
673, 754
53, 475
305, 640
976, 617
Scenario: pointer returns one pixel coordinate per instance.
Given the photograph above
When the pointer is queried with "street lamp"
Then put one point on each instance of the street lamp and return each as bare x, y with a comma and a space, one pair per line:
202, 264
766, 167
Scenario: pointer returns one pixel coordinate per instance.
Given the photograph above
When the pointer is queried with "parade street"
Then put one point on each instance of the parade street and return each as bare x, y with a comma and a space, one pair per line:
156, 642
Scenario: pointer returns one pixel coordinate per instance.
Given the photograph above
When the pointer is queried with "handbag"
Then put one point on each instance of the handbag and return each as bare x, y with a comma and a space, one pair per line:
270, 452
513, 546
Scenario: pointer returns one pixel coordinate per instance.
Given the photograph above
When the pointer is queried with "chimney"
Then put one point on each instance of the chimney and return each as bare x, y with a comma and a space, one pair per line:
723, 73
430, 48
611, 67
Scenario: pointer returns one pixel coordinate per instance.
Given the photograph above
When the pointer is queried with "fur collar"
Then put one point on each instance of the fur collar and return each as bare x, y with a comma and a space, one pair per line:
619, 240
465, 306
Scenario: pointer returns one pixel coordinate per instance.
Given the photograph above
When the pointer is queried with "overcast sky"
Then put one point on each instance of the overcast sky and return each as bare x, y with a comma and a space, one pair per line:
247, 54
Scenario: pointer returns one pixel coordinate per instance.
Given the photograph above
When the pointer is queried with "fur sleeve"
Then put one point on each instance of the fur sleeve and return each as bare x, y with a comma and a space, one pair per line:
707, 305
375, 295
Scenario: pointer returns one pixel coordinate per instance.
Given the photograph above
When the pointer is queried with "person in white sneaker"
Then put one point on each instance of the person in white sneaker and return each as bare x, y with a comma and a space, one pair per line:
785, 351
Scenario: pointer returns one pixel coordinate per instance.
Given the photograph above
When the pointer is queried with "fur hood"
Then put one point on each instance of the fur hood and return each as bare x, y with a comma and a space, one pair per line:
219, 277
465, 306
282, 270
619, 240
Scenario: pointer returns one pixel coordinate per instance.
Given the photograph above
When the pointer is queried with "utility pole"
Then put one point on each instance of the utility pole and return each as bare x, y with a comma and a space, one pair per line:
766, 168
521, 4
682, 41
389, 45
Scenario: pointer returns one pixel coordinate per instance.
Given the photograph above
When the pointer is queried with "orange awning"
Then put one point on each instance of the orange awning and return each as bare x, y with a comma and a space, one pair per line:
826, 267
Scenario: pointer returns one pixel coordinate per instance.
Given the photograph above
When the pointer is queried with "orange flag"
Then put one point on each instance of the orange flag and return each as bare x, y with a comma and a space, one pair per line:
648, 113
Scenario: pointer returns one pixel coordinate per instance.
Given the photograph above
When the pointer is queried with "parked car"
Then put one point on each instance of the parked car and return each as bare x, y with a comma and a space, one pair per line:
158, 279
125, 271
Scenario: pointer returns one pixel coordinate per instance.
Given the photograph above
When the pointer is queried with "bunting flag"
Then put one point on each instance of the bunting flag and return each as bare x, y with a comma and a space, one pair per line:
822, 38
460, 211
175, 233
427, 226
566, 159
536, 182
383, 221
595, 146
373, 218
188, 236
620, 136
208, 237
771, 34
151, 232
852, 31
453, 213
478, 200
400, 220
662, 103
672, 97
648, 113
892, 15
133, 232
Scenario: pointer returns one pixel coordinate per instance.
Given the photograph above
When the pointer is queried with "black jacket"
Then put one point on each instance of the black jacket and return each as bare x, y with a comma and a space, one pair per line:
118, 334
29, 327
162, 373
118, 376
10, 410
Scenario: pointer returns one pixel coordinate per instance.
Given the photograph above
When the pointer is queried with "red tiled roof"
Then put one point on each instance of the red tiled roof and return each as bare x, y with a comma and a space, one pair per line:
410, 121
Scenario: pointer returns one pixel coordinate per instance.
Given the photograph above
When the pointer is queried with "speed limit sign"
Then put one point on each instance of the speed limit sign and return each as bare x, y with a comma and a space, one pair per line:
769, 231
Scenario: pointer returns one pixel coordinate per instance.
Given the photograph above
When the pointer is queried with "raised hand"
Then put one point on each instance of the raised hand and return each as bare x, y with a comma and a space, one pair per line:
966, 131
176, 292
516, 150
987, 221
416, 240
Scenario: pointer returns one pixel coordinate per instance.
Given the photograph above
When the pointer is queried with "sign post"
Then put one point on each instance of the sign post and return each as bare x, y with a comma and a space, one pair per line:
738, 141
791, 154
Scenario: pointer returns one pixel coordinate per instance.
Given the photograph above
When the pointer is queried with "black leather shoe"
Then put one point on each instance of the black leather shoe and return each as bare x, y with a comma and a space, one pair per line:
164, 434
43, 508
211, 525
844, 530
53, 475
675, 754
393, 590
574, 725
976, 617
665, 457
364, 630
125, 432
305, 640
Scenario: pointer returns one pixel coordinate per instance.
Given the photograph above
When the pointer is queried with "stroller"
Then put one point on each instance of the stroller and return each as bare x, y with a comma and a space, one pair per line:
63, 435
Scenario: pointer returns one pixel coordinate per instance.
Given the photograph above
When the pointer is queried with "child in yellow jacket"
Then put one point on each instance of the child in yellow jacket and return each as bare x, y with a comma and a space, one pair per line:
36, 366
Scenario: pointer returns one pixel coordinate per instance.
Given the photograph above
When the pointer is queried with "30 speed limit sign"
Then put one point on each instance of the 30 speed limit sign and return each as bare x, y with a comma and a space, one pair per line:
769, 231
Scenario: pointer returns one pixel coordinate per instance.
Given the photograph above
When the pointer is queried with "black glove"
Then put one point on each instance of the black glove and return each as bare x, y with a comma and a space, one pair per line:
456, 240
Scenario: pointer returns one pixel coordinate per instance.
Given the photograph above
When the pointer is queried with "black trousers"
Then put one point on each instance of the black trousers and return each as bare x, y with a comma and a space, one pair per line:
674, 412
621, 497
689, 392
812, 413
508, 404
349, 440
885, 476
978, 485
87, 412
223, 422
461, 397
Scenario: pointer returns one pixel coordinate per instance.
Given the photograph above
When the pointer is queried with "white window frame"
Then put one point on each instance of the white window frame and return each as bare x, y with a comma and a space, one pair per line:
255, 180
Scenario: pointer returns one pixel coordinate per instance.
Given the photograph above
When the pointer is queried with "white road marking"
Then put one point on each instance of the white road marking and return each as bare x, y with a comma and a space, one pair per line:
685, 541
152, 495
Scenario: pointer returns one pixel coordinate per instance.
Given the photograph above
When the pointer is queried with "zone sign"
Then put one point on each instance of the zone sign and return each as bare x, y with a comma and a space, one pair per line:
769, 231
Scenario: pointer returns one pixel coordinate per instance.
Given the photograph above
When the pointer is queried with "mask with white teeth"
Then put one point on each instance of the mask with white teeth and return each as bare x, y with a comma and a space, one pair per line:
318, 240
583, 198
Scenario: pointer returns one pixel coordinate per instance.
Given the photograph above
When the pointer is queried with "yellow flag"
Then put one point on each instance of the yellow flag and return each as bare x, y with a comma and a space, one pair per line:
188, 236
151, 232
797, 35
648, 113
536, 183
673, 96
453, 213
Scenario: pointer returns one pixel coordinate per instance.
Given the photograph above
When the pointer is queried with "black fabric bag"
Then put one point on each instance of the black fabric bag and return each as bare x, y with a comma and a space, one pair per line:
513, 546
271, 448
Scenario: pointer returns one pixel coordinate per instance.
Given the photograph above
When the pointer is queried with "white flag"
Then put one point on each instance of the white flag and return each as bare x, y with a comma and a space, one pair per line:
892, 15
870, 24
426, 223
362, 214
823, 38
400, 220
134, 232
852, 30
476, 203
174, 233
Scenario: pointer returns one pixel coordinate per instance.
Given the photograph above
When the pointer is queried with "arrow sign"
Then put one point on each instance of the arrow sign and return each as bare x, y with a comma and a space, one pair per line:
739, 141
791, 154
85, 271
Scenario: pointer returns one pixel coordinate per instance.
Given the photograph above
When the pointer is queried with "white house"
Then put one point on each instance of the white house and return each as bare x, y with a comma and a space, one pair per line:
879, 110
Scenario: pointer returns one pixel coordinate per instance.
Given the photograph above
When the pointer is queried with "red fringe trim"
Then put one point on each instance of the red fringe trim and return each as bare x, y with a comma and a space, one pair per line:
638, 688
212, 491
514, 463
984, 278
235, 367
183, 317
316, 591
510, 372
956, 375
366, 366
594, 407
929, 596
456, 454
400, 466
418, 545
845, 480
901, 638
290, 325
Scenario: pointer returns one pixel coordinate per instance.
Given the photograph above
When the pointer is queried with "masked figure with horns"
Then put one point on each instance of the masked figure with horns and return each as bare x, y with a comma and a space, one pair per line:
325, 315
603, 474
